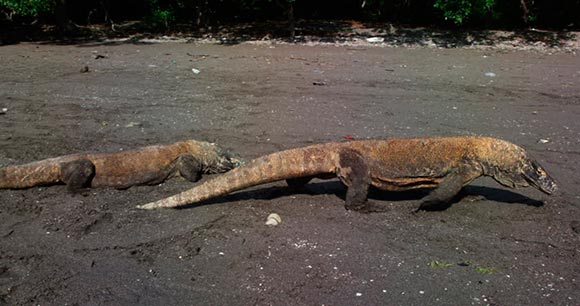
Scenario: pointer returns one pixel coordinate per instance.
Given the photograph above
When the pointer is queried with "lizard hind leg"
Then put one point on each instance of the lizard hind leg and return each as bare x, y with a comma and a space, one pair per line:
353, 171
189, 167
77, 174
440, 197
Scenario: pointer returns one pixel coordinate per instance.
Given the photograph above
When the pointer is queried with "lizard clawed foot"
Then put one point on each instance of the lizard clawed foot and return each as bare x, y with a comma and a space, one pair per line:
367, 208
433, 206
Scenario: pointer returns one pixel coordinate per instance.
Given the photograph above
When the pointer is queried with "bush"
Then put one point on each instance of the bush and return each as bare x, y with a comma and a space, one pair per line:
162, 14
27, 8
459, 11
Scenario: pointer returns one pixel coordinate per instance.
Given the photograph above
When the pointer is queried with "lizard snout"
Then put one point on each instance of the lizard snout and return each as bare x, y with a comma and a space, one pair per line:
539, 178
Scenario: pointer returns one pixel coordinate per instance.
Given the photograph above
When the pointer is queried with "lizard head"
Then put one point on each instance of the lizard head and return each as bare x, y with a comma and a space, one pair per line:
538, 177
226, 162
511, 166
214, 158
222, 161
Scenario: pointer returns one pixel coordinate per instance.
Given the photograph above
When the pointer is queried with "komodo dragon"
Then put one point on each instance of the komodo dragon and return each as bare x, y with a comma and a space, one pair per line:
447, 163
144, 166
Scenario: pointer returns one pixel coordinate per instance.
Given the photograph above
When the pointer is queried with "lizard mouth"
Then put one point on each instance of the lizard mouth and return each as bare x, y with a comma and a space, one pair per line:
537, 177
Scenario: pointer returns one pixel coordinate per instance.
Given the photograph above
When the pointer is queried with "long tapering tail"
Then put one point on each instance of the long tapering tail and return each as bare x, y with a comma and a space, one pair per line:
28, 175
294, 163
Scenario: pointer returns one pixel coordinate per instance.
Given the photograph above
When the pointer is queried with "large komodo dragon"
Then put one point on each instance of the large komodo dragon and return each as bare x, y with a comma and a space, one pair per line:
143, 166
447, 163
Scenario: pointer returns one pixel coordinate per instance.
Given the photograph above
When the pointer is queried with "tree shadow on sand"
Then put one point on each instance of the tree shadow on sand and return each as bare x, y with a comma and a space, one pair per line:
307, 31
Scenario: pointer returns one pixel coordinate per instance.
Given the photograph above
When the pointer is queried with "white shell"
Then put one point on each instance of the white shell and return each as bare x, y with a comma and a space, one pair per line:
273, 219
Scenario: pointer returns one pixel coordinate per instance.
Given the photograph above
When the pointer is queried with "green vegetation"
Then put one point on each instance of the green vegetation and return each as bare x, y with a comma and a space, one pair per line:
485, 270
27, 8
161, 16
459, 11
465, 263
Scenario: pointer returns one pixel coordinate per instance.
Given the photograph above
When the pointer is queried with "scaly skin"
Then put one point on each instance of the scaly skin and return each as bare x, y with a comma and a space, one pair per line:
143, 166
447, 163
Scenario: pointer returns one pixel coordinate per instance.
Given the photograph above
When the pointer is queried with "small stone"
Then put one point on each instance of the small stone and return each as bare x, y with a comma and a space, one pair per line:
375, 39
575, 226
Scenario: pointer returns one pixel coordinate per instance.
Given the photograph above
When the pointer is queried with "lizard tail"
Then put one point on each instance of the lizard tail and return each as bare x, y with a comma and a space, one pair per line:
293, 163
29, 175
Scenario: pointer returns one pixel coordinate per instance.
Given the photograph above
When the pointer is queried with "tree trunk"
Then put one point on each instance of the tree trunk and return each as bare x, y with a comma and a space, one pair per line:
288, 7
61, 16
291, 22
202, 14
526, 14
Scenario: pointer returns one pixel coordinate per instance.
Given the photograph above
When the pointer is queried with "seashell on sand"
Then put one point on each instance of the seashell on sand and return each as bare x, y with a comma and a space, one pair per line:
273, 219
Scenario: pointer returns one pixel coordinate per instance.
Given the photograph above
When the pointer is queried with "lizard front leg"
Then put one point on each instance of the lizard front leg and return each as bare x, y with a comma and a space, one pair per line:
185, 165
353, 171
440, 197
189, 167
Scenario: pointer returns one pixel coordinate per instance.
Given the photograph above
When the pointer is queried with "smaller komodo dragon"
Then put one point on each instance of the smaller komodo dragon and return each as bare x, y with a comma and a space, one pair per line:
446, 163
144, 166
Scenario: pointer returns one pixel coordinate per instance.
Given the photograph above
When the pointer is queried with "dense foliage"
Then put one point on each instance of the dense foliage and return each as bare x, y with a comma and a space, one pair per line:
27, 7
200, 13
459, 11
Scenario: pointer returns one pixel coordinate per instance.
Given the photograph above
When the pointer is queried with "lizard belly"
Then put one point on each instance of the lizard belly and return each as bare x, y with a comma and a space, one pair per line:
405, 183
